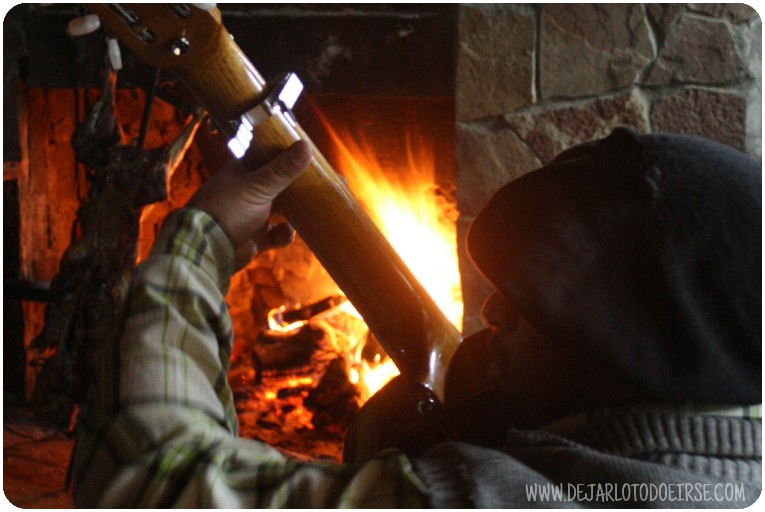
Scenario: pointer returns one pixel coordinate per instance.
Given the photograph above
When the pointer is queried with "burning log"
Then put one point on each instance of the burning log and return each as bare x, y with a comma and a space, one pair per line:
285, 350
282, 318
334, 400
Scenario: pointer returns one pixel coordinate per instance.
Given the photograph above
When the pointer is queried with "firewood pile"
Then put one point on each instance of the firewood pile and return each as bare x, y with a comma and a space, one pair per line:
293, 389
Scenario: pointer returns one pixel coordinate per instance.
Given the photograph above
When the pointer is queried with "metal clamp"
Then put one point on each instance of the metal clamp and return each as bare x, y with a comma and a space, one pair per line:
285, 91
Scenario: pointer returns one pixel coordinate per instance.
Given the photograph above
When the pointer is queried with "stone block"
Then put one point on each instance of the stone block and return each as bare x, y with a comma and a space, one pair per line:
549, 132
699, 51
495, 70
718, 116
735, 13
662, 17
592, 48
488, 155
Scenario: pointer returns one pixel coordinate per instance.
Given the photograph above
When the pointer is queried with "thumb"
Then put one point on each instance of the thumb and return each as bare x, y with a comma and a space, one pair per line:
278, 235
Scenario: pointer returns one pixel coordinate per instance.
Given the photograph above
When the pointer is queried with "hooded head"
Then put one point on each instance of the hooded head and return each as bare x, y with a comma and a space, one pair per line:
641, 253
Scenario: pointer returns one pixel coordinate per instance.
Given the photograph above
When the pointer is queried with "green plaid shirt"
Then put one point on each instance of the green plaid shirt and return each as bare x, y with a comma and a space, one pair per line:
159, 429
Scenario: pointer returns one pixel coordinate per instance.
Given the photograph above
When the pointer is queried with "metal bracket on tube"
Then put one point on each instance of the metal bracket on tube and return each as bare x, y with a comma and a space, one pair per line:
285, 91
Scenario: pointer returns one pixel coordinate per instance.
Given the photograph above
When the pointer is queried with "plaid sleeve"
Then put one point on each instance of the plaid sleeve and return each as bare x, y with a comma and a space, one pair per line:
169, 437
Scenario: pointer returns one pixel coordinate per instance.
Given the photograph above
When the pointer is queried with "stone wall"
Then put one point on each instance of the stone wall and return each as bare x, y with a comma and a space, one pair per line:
534, 80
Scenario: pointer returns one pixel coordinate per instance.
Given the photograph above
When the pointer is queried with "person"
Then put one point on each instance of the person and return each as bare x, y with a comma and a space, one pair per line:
626, 345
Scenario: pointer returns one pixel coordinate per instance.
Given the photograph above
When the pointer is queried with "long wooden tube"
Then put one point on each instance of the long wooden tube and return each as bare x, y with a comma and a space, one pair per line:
401, 314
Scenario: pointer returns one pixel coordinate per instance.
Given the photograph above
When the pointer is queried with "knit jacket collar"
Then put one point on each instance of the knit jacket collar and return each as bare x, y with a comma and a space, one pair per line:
619, 448
711, 431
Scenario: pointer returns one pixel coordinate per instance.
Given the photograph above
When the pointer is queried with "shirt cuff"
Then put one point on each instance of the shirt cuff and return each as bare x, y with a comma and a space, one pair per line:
195, 236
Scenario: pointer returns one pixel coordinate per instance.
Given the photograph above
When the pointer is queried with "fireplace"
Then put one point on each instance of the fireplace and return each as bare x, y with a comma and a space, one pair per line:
387, 128
475, 94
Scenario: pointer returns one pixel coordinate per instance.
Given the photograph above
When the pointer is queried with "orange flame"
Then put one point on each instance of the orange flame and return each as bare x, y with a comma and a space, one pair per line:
418, 223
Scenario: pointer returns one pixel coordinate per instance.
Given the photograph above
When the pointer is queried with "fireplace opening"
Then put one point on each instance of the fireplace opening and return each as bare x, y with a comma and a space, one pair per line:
304, 361
388, 129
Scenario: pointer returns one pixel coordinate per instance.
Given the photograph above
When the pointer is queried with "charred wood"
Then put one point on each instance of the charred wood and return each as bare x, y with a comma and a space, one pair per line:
91, 283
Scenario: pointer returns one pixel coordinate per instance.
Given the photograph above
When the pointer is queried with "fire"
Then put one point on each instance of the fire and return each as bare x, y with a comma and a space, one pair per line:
418, 223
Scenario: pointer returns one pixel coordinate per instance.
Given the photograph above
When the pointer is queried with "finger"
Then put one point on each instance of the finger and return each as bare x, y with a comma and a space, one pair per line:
278, 173
272, 237
280, 235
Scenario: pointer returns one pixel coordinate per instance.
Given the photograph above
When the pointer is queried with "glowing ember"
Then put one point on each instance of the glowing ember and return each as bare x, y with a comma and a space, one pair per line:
375, 376
276, 325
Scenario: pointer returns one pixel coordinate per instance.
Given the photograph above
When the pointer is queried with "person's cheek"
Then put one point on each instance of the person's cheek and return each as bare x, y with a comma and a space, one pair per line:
499, 346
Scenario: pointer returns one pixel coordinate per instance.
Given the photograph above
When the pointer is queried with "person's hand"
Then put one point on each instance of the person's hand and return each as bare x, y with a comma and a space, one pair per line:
240, 201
